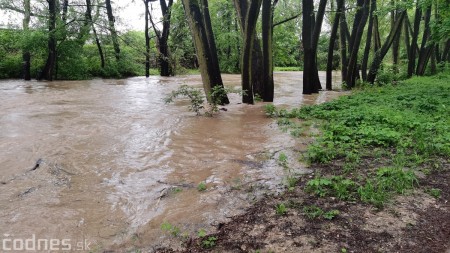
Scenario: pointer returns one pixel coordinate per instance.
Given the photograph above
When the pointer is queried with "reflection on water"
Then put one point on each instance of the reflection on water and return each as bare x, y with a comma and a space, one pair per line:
117, 161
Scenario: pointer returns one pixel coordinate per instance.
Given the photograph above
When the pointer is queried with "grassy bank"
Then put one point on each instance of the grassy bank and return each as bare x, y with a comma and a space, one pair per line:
374, 143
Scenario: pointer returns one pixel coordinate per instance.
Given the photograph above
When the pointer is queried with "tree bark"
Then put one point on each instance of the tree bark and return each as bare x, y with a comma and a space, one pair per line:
112, 29
425, 49
267, 39
164, 57
415, 36
353, 60
26, 56
147, 40
333, 36
396, 43
48, 71
210, 76
343, 43
385, 48
315, 41
309, 86
365, 60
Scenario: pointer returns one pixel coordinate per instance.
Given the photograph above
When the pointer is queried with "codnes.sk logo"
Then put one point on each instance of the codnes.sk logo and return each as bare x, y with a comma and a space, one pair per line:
11, 244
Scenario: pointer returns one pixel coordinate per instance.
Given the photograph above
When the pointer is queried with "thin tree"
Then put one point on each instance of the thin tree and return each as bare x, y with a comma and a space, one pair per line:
112, 29
26, 56
49, 68
163, 37
333, 37
267, 49
209, 69
378, 58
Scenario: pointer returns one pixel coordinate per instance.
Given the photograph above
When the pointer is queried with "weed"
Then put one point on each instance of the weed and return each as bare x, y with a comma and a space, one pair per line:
173, 230
201, 233
270, 110
193, 94
201, 187
280, 209
283, 160
313, 212
331, 214
434, 192
209, 242
291, 182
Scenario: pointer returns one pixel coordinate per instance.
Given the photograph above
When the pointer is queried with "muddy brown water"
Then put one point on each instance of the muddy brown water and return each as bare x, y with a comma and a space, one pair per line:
113, 156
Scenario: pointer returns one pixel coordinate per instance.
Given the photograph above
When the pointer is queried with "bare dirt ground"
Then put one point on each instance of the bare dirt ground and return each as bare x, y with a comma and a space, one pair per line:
413, 222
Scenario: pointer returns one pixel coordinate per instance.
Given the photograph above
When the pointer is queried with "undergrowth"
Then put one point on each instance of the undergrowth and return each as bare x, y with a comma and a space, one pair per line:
376, 138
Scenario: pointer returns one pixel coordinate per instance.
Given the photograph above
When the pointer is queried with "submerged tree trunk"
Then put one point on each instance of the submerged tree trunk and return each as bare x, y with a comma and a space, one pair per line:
267, 39
112, 29
164, 57
147, 40
256, 54
315, 41
26, 56
210, 74
385, 48
48, 71
309, 86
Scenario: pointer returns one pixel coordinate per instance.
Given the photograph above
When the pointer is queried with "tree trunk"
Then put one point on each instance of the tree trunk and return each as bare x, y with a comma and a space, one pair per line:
353, 60
343, 43
210, 76
425, 49
315, 40
147, 40
48, 71
385, 48
396, 43
309, 86
26, 56
267, 39
365, 60
333, 36
164, 57
249, 36
112, 29
257, 54
407, 36
415, 36
445, 53
376, 35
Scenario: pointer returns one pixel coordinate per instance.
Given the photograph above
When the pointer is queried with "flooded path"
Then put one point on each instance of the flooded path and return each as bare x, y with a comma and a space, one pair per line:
117, 162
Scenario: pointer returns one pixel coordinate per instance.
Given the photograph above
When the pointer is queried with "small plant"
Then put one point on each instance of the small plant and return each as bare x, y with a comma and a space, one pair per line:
312, 212
435, 193
319, 186
210, 242
201, 187
193, 94
280, 209
201, 233
291, 182
330, 214
173, 230
271, 110
257, 98
283, 160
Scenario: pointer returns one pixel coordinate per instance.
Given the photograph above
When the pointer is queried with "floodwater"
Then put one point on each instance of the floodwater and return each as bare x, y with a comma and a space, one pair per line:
116, 162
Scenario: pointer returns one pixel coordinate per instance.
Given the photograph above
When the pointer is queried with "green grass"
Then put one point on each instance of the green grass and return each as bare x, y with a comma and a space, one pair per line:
376, 137
287, 69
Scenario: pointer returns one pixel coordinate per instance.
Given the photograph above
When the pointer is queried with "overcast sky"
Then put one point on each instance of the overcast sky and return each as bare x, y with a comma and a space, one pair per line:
130, 15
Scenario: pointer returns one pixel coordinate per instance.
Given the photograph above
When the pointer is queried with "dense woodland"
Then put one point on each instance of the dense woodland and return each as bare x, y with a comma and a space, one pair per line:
367, 40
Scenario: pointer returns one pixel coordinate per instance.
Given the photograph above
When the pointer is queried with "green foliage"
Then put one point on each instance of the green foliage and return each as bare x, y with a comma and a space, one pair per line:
283, 160
280, 209
314, 212
171, 229
201, 187
194, 95
209, 242
434, 192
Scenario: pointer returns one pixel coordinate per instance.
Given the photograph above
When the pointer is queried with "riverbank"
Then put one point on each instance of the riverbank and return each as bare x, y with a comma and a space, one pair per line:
379, 181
